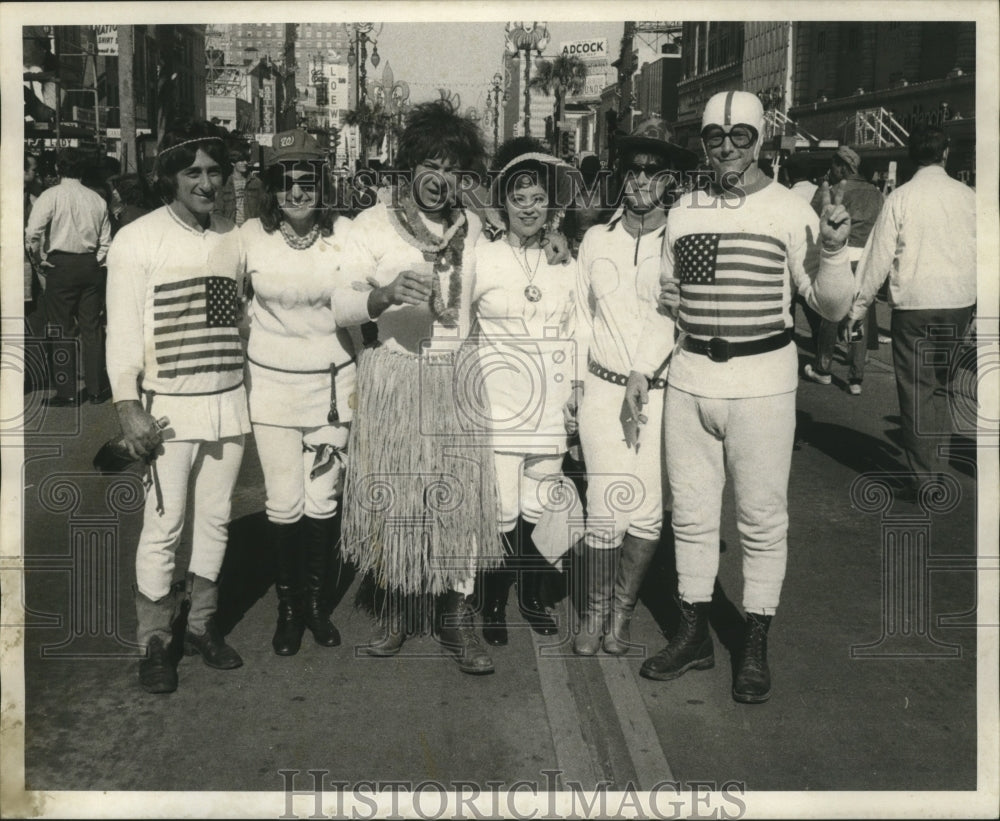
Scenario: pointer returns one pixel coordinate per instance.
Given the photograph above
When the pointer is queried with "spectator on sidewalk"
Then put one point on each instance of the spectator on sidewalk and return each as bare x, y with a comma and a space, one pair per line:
67, 236
730, 264
863, 202
174, 351
924, 240
800, 183
232, 200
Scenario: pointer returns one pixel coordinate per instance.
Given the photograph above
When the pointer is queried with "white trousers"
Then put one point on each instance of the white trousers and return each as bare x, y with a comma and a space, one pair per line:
287, 456
625, 487
192, 474
523, 482
753, 439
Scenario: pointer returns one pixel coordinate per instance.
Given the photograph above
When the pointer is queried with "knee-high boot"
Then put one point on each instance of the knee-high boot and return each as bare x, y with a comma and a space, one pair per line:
533, 568
318, 553
495, 587
154, 634
598, 574
203, 635
288, 585
635, 559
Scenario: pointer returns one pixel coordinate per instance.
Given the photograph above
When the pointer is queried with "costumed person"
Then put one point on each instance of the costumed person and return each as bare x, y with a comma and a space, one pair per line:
174, 351
732, 258
619, 269
301, 377
420, 496
525, 312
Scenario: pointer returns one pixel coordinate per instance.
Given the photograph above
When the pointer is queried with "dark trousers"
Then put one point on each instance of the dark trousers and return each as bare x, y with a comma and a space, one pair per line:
75, 288
924, 365
824, 334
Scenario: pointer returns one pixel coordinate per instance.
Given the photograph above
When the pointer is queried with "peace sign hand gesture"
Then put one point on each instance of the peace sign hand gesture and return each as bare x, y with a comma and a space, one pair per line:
834, 221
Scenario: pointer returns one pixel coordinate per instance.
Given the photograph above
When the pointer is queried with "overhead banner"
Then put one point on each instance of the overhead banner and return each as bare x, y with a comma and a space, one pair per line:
107, 41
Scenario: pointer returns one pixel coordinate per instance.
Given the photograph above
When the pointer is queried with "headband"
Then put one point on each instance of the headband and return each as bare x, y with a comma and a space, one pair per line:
188, 142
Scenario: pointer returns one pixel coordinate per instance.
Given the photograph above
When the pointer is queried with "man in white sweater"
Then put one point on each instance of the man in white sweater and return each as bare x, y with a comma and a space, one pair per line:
732, 259
174, 351
924, 241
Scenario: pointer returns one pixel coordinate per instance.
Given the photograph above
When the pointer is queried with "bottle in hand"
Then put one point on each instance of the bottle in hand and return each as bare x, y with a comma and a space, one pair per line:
113, 457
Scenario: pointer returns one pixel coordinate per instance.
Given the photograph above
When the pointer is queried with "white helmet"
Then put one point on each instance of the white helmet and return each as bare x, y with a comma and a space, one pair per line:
730, 107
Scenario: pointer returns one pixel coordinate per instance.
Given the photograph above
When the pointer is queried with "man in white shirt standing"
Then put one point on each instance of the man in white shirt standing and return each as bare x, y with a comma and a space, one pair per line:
67, 236
925, 241
732, 257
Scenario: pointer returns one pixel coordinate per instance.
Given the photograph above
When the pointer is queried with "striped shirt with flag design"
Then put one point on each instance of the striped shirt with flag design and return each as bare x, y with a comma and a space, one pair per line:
732, 284
194, 327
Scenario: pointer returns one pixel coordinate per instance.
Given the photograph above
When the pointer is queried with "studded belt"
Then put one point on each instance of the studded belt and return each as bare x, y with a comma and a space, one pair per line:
619, 379
722, 350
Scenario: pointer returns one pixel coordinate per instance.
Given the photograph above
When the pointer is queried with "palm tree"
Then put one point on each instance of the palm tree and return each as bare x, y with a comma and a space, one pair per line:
562, 77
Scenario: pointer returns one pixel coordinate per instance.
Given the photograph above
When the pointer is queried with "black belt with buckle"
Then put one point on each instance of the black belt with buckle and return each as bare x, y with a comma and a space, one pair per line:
722, 350
619, 379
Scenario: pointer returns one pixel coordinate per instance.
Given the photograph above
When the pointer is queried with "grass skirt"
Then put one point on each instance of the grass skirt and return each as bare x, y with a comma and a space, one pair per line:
420, 503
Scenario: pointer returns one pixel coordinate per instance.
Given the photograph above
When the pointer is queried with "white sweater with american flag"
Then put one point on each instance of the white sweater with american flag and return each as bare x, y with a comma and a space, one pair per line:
739, 262
172, 300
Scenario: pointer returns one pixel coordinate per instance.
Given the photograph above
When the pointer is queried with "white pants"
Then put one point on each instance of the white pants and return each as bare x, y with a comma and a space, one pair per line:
753, 439
287, 456
196, 473
625, 487
523, 480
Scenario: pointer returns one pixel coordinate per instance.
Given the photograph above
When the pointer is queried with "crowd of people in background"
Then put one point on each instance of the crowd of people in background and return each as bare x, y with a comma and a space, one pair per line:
342, 320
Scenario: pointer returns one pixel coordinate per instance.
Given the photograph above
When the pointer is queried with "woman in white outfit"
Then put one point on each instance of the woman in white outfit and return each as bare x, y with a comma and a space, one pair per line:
525, 308
301, 377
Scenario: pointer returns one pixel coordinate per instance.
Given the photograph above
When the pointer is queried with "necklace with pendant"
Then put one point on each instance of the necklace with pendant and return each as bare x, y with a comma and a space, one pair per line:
293, 240
532, 292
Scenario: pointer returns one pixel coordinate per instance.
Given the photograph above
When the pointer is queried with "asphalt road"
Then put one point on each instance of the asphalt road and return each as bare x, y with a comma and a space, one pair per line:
873, 650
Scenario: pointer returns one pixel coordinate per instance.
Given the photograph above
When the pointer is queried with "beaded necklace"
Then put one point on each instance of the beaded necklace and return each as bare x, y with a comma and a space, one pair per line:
293, 240
445, 252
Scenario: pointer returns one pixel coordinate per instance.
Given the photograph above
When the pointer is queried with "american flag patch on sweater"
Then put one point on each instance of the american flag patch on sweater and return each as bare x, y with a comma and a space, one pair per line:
732, 285
194, 327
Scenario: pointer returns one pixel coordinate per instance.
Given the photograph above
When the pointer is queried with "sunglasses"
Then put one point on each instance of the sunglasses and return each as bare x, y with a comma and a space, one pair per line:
286, 182
740, 135
650, 169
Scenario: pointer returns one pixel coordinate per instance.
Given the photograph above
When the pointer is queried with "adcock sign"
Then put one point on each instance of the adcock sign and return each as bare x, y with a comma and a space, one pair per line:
590, 51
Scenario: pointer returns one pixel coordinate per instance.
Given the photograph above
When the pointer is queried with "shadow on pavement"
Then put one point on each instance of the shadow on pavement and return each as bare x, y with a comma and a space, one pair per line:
855, 450
248, 571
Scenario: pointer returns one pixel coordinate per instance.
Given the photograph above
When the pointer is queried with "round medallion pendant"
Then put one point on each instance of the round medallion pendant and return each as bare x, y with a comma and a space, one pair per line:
532, 293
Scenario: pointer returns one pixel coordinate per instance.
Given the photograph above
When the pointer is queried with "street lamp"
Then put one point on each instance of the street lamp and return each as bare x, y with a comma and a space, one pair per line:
362, 34
526, 37
494, 95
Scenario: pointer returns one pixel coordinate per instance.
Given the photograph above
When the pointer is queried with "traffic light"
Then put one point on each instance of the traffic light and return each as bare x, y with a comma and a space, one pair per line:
565, 143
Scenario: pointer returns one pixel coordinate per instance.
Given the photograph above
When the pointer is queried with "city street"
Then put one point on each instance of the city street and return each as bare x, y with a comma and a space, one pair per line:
873, 650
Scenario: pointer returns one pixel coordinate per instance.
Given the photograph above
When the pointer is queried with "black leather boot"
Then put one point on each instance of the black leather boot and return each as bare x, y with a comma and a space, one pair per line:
632, 566
288, 632
753, 678
690, 649
496, 588
597, 577
202, 635
158, 670
318, 553
532, 570
393, 634
458, 635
